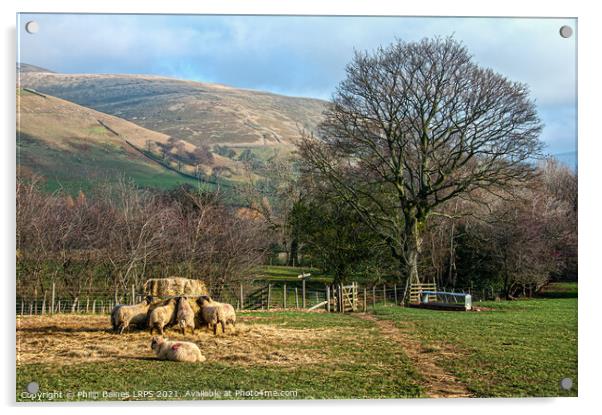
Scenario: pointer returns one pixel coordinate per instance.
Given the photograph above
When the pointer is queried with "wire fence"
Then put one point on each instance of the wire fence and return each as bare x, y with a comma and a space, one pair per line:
243, 295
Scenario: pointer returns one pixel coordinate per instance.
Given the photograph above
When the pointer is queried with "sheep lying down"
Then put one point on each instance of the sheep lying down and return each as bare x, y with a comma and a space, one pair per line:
176, 351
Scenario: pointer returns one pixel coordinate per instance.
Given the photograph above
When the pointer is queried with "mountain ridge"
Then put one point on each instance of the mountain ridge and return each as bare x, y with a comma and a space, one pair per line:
197, 112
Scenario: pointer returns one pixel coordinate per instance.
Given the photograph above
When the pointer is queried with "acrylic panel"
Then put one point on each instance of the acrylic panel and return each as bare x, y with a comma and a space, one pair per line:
295, 207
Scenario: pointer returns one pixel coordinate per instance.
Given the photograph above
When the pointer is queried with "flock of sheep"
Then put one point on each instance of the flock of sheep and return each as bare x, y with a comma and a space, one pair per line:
156, 316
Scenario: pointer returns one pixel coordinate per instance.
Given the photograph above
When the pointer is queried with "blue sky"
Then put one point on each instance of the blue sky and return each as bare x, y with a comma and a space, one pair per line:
305, 56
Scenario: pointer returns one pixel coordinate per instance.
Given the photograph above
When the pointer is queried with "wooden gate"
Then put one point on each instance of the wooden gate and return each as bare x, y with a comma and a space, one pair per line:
344, 298
417, 288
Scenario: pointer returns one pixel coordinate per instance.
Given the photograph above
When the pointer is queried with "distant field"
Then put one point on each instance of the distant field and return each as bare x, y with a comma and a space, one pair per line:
285, 273
98, 164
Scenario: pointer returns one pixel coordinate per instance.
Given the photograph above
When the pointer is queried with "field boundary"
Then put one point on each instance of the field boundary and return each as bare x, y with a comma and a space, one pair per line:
437, 382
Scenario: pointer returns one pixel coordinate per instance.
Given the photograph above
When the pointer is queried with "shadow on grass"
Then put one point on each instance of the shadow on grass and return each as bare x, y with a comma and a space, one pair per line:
142, 358
557, 294
559, 290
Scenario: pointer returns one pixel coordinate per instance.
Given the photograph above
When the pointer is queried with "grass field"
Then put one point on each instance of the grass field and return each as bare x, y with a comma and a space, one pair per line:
285, 273
520, 348
316, 355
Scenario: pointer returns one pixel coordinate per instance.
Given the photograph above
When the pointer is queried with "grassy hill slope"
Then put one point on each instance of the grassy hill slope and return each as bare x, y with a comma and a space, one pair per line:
74, 147
198, 113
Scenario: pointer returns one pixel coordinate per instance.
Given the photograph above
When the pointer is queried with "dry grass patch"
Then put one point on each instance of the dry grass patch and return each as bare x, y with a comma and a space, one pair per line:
68, 339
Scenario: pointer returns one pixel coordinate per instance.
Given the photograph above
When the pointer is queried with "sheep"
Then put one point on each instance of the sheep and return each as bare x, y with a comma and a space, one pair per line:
228, 316
185, 315
208, 313
122, 316
162, 316
176, 351
214, 313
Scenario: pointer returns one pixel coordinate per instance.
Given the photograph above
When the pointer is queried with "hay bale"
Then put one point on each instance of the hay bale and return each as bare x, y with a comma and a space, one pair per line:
174, 286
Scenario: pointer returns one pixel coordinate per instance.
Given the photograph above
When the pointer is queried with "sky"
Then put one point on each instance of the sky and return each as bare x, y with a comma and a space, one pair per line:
306, 55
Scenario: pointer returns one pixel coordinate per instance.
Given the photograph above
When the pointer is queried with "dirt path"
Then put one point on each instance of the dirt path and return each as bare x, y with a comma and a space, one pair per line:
437, 382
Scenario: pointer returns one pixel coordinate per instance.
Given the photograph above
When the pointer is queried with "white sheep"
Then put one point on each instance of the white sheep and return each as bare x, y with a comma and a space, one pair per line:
122, 316
214, 313
228, 316
176, 351
185, 315
162, 316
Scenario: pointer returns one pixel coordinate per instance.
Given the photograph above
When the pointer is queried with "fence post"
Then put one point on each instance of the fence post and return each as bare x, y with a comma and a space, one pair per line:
395, 292
22, 306
284, 296
303, 292
53, 297
337, 290
133, 294
296, 297
269, 294
242, 298
365, 302
87, 305
44, 304
385, 294
327, 298
94, 306
59, 306
373, 296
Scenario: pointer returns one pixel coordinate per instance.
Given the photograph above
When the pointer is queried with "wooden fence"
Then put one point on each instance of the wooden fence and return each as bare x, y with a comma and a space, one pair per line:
244, 296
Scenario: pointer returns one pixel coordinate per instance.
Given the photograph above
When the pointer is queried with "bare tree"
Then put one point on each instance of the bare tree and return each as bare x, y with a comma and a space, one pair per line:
415, 125
120, 234
273, 195
560, 183
202, 155
133, 239
517, 242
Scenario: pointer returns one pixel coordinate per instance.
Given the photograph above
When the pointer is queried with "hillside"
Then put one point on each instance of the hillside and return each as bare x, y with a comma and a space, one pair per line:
74, 147
25, 67
199, 113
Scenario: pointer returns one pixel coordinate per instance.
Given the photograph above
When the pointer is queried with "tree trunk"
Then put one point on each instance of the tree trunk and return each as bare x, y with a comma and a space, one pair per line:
293, 256
411, 250
507, 286
339, 275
